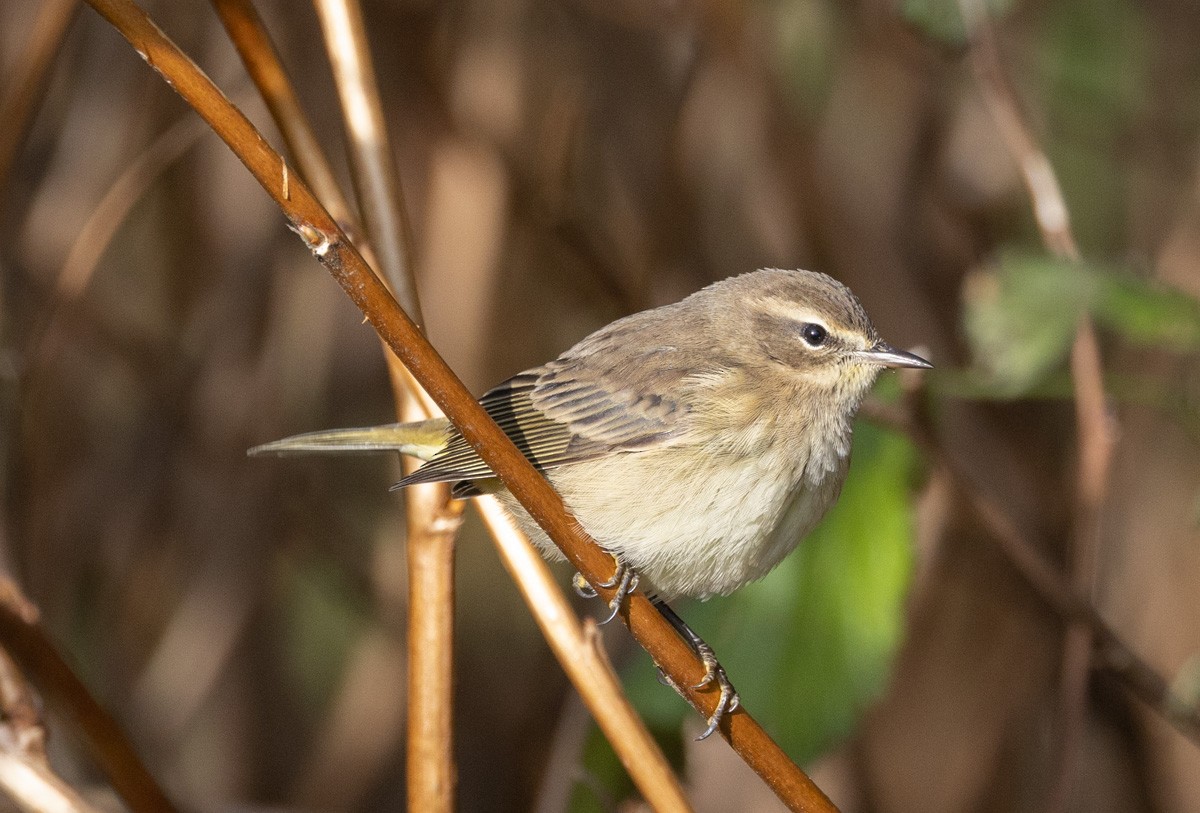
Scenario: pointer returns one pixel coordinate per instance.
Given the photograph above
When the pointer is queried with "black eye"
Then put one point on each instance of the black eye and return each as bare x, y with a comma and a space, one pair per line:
814, 335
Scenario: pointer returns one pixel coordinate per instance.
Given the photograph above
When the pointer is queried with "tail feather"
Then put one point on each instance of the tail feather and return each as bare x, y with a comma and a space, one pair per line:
421, 440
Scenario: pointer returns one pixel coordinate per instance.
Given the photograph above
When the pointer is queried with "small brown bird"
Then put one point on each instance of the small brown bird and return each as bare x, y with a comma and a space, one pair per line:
698, 442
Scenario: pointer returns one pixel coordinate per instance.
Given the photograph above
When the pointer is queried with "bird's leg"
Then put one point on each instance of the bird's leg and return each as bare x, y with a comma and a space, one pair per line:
713, 671
624, 578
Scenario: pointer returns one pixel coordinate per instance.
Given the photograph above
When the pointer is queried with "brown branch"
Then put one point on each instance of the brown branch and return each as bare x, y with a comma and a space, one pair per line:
261, 58
432, 519
430, 544
38, 657
330, 245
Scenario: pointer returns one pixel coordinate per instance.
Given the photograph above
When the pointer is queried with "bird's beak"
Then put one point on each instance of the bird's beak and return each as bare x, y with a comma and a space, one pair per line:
888, 356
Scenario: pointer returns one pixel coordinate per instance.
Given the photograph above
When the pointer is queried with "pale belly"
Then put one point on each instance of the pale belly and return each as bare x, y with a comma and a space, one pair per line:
690, 530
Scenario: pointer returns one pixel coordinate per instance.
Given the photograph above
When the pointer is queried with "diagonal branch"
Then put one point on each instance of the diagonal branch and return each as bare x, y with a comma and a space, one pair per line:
330, 245
32, 648
26, 776
249, 36
432, 521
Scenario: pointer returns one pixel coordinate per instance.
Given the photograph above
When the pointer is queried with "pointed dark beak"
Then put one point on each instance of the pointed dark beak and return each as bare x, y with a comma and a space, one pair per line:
888, 356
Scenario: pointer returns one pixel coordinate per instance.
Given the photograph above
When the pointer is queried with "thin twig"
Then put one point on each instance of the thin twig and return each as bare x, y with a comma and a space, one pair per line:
375, 178
25, 773
30, 646
1049, 207
431, 518
1095, 456
263, 63
1095, 438
30, 75
582, 655
1047, 581
90, 246
330, 245
433, 521
101, 227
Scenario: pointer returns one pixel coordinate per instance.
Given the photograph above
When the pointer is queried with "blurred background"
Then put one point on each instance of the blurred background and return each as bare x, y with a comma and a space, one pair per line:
566, 163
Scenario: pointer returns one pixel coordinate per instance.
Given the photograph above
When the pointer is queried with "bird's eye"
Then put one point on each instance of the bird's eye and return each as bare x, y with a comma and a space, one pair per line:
814, 335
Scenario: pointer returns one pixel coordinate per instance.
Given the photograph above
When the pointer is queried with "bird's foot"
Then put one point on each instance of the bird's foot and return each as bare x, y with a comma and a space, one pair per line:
624, 579
714, 673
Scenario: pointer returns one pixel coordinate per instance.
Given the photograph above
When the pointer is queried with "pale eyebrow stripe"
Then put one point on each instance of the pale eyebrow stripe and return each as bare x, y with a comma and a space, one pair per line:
792, 312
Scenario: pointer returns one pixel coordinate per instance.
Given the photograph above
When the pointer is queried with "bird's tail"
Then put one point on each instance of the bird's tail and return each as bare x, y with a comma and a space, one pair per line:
421, 440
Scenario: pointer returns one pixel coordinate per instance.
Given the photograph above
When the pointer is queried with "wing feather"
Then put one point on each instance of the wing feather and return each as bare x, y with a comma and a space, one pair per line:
610, 393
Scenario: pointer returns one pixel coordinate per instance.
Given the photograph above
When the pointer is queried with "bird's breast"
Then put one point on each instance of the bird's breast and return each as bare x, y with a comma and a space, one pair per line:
698, 524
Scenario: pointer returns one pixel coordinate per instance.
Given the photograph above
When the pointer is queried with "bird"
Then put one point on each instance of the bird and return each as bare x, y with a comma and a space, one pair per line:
698, 442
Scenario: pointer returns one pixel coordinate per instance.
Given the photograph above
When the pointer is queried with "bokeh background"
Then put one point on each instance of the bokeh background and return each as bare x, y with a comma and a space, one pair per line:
565, 163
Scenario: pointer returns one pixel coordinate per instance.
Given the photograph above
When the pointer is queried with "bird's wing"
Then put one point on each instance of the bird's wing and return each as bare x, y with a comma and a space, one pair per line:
575, 409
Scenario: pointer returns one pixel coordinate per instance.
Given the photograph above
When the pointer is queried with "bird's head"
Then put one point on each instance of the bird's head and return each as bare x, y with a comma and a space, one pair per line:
811, 330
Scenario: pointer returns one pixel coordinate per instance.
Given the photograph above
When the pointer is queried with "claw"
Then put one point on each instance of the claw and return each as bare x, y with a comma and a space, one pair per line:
627, 584
581, 586
618, 575
712, 667
728, 702
624, 579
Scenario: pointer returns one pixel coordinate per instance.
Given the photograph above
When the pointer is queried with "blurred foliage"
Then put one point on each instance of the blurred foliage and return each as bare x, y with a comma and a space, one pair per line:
565, 163
602, 780
1021, 317
943, 19
1092, 63
807, 36
323, 613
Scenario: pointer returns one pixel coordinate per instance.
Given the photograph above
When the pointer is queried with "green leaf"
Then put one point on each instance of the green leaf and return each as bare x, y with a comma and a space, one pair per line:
1148, 314
1021, 319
